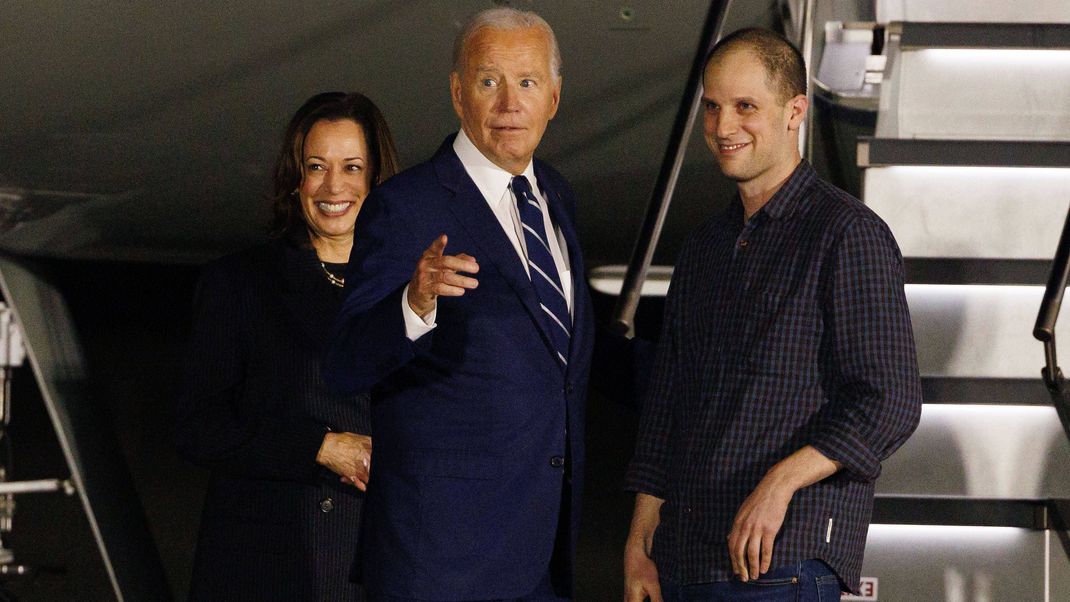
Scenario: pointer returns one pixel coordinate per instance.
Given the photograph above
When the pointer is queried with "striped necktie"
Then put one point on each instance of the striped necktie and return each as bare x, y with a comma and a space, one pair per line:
542, 269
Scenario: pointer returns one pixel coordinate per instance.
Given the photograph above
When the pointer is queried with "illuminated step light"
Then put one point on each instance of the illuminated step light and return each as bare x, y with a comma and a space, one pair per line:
947, 535
609, 280
995, 57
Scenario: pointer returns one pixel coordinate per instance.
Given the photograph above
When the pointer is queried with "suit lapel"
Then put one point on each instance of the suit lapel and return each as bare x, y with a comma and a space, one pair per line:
472, 211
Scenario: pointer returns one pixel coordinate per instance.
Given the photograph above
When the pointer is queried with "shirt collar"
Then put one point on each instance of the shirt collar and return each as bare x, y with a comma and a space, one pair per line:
491, 180
786, 200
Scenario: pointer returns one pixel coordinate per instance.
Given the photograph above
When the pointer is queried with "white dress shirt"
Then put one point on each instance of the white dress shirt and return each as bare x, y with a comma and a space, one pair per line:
494, 182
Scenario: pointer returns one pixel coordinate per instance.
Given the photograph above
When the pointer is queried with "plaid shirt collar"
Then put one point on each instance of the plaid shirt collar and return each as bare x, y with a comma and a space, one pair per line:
785, 201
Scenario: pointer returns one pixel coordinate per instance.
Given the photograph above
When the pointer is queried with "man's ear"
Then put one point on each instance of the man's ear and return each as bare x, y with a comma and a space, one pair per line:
455, 92
796, 108
556, 100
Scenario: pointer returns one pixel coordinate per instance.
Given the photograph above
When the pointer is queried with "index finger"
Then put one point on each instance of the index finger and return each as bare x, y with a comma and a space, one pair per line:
437, 246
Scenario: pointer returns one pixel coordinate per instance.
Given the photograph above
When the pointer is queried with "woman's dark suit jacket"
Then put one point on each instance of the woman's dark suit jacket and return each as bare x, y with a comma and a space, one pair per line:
276, 525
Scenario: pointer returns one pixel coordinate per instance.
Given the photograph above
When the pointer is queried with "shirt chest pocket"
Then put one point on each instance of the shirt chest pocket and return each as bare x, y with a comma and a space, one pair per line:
781, 334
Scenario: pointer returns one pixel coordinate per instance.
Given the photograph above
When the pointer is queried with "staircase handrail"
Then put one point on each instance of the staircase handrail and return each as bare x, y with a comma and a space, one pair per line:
654, 220
1044, 330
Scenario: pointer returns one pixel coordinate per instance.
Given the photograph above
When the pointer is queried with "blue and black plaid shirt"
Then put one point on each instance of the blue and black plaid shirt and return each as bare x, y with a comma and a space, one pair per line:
788, 330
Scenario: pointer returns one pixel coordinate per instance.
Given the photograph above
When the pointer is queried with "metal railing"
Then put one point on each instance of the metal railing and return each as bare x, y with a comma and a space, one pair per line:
654, 220
1044, 330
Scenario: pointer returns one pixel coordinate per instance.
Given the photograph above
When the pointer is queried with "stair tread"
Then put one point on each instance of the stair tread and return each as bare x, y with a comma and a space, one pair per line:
875, 151
1022, 513
985, 391
975, 270
984, 35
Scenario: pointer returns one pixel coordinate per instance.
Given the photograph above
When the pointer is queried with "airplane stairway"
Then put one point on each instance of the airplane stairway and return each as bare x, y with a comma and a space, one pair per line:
969, 164
970, 167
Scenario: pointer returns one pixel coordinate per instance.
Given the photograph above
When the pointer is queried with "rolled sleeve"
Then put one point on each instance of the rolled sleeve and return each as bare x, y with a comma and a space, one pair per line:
648, 470
875, 401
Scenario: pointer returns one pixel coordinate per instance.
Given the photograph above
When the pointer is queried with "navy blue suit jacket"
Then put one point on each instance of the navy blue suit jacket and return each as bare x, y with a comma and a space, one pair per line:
471, 421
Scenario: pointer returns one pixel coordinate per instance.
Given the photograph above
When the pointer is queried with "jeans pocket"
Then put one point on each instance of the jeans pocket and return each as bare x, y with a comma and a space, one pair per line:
774, 582
828, 588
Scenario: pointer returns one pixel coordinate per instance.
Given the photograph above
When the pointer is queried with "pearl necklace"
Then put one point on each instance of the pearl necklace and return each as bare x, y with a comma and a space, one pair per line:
335, 280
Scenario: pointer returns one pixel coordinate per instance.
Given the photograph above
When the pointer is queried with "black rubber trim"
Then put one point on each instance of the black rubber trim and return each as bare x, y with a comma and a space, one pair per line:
1054, 36
984, 153
986, 391
926, 270
961, 511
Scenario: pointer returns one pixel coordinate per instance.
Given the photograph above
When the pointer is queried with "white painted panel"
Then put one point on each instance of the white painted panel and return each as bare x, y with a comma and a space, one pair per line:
956, 564
985, 451
995, 11
979, 331
988, 94
978, 212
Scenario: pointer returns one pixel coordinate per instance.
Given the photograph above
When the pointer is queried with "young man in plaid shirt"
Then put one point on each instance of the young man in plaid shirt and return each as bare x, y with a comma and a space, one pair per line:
786, 369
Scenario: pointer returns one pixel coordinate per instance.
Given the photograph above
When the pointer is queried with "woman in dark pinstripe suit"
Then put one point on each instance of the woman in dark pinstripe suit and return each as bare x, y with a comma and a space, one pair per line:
289, 459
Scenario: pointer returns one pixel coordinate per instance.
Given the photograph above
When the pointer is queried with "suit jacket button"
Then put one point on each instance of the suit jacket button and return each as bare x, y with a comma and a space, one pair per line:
557, 461
327, 504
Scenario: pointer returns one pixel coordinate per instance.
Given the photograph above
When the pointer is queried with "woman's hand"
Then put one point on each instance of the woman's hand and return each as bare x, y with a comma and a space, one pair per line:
348, 455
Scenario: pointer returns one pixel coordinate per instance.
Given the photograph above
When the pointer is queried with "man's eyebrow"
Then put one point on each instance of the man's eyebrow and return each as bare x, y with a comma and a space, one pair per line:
749, 99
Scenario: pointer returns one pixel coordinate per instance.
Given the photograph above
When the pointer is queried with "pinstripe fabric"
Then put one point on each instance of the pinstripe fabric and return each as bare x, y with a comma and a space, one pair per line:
789, 330
254, 411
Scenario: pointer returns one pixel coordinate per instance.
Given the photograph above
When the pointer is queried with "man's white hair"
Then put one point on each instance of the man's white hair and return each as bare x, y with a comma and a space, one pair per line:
505, 18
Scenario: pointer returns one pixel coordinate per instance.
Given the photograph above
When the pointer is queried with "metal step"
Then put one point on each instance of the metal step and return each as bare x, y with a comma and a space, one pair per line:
915, 35
967, 271
963, 214
985, 391
1019, 11
1028, 513
1010, 89
978, 331
982, 450
883, 151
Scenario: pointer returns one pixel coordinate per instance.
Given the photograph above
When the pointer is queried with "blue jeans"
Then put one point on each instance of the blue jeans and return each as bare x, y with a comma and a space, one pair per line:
807, 581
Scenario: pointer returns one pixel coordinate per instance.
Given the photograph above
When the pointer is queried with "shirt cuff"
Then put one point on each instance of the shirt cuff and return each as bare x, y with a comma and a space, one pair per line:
415, 326
641, 478
843, 445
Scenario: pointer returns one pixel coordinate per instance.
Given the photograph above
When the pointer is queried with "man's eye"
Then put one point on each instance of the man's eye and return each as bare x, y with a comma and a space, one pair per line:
487, 82
746, 106
710, 106
527, 83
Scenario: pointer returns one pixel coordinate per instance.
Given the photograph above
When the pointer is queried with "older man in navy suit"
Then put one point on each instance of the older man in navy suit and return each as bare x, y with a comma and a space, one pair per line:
468, 318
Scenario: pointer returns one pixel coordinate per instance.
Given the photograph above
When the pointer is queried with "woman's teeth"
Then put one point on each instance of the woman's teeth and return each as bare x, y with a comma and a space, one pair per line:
332, 207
